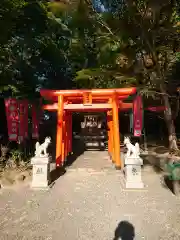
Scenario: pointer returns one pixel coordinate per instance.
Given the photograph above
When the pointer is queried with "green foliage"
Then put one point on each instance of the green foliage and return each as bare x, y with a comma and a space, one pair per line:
49, 44
17, 158
33, 55
16, 155
102, 78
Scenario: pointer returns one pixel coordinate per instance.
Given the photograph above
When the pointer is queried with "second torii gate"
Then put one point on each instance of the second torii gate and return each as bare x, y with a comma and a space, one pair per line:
95, 100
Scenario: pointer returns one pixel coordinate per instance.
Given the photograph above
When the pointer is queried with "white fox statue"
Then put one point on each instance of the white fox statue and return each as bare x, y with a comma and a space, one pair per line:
132, 150
41, 149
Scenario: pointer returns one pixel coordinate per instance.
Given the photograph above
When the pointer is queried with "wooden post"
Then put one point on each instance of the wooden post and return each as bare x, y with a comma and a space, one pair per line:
59, 134
70, 132
116, 132
64, 137
67, 134
110, 134
112, 138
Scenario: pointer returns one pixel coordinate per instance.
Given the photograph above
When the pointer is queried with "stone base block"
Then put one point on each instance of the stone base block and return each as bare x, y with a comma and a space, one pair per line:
133, 176
133, 160
41, 172
39, 186
41, 160
134, 185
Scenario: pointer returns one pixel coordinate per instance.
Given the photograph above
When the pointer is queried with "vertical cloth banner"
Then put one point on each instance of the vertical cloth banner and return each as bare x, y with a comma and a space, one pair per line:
35, 122
12, 115
138, 116
131, 122
23, 120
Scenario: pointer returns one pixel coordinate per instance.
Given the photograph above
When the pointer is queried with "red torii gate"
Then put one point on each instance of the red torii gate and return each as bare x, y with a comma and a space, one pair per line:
94, 100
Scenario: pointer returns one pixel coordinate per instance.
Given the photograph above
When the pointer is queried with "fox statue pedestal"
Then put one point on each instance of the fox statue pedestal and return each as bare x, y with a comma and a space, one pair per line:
133, 163
133, 173
41, 170
41, 166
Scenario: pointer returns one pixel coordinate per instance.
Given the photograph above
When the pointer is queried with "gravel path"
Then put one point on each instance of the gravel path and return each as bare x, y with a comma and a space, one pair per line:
89, 202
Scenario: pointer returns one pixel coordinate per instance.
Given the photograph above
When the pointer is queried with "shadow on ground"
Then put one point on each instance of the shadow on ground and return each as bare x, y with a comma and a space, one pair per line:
156, 160
125, 231
78, 150
57, 173
160, 150
172, 185
153, 162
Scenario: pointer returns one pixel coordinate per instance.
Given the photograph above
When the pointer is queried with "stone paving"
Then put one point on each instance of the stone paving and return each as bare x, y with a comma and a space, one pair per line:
89, 202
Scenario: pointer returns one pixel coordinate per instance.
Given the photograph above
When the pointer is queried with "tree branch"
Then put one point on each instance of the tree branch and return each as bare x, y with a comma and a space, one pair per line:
102, 23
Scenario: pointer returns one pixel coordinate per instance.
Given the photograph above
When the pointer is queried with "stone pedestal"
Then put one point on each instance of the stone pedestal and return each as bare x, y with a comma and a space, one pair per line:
133, 172
122, 160
41, 172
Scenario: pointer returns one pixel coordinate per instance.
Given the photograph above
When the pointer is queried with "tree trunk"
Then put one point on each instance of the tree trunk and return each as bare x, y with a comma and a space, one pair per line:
169, 122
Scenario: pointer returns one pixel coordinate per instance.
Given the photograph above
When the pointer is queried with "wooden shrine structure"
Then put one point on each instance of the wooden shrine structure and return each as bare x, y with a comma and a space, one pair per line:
95, 100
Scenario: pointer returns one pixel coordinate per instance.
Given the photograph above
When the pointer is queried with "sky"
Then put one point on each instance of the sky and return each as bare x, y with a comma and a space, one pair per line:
99, 6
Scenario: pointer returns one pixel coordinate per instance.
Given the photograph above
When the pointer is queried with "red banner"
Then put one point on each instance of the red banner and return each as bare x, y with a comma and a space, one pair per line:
12, 116
138, 116
156, 109
35, 123
23, 119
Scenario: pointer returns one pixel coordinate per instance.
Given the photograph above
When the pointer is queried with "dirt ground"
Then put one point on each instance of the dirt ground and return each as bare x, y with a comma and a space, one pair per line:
89, 201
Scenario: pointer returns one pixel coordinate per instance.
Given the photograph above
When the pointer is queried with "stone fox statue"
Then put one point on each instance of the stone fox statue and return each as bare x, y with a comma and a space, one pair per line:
41, 149
132, 150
